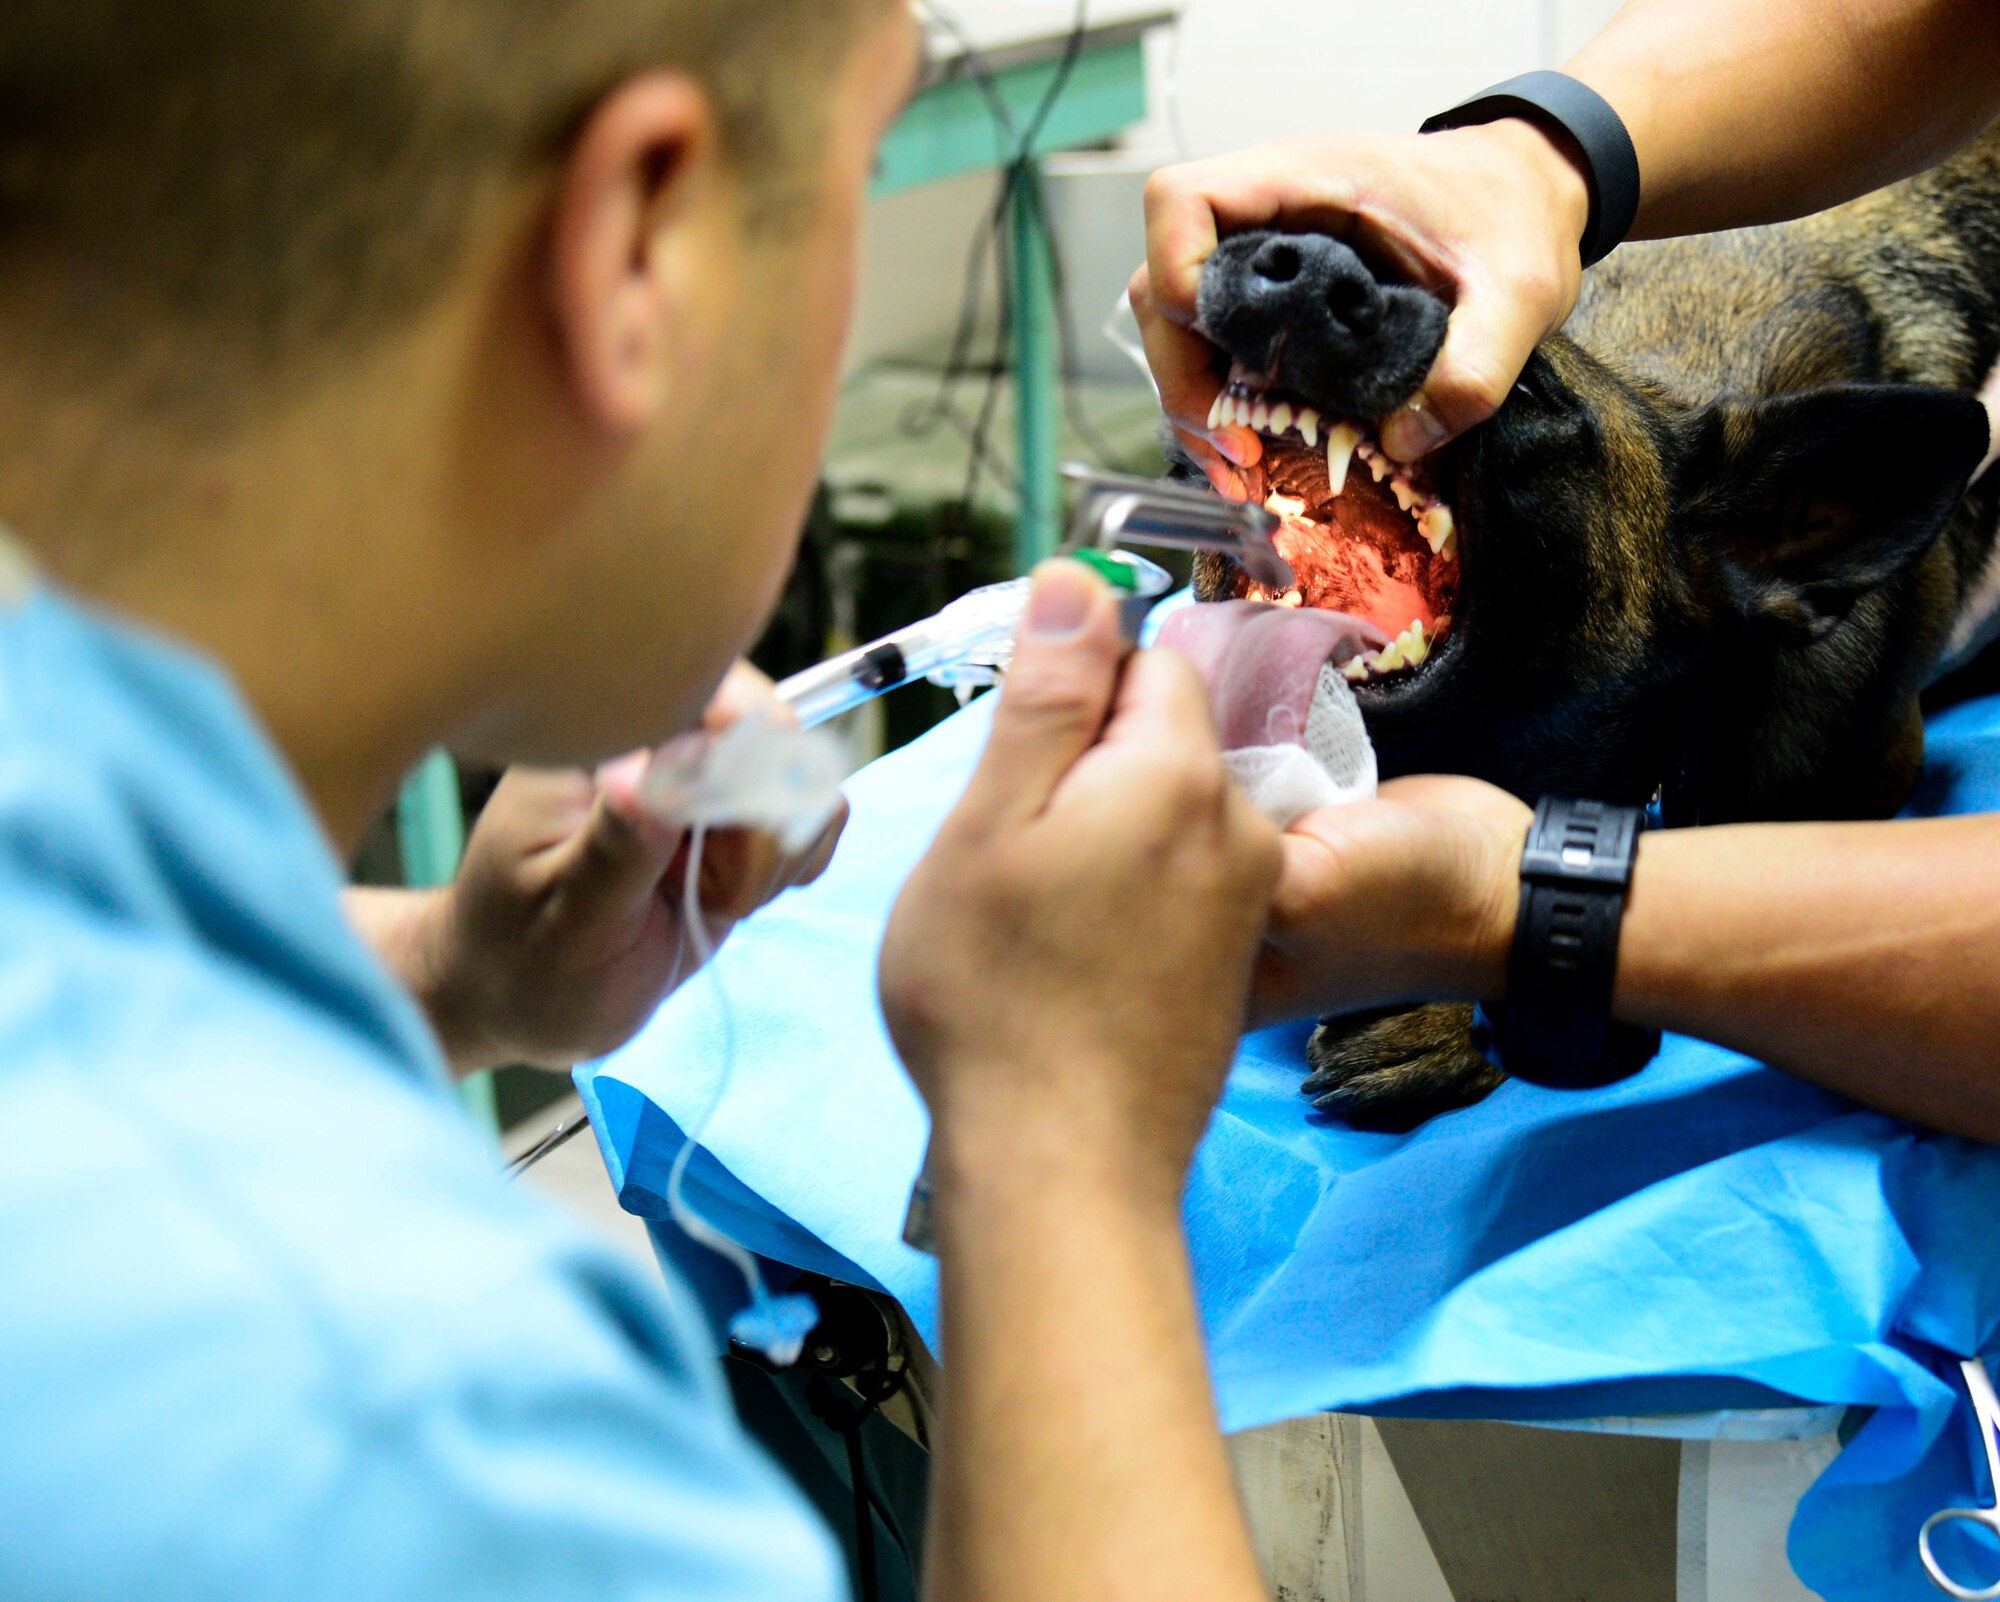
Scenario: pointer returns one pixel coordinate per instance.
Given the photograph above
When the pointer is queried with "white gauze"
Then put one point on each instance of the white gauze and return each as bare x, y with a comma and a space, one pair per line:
1333, 764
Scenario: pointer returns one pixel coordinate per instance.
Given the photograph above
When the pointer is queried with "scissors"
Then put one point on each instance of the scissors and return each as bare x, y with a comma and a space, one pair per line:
1986, 1410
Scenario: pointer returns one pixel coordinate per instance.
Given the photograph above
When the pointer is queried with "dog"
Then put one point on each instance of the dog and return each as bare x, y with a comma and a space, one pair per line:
1707, 554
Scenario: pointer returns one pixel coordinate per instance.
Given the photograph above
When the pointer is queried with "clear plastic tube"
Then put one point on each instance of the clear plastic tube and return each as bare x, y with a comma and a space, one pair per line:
969, 642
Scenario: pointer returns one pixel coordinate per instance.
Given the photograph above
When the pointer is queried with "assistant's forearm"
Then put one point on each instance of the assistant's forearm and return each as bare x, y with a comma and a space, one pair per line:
1079, 1456
1865, 957
1747, 111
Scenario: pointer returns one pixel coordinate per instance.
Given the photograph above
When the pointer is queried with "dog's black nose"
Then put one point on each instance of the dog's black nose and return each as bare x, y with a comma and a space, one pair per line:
1289, 273
1305, 311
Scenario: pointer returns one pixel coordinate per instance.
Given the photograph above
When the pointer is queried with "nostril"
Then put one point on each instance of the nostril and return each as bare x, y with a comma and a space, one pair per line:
1278, 262
1355, 305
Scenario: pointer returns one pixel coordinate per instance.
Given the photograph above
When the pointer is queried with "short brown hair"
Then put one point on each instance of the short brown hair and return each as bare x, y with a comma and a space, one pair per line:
268, 175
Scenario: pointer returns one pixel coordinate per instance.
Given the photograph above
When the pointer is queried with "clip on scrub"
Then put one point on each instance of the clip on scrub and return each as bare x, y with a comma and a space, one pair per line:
1118, 509
1986, 1418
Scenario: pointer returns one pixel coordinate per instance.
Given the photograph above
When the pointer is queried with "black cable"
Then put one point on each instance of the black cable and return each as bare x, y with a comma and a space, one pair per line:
847, 1414
1019, 183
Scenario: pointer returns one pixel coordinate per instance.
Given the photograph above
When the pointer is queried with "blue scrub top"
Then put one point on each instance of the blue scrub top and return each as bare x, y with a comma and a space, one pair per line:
270, 1323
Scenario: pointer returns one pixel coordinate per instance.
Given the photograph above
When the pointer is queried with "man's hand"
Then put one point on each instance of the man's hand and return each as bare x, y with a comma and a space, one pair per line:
562, 933
1409, 897
1066, 967
1488, 217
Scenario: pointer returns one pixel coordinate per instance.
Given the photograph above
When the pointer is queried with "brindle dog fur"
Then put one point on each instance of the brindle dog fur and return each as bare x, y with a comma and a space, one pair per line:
1714, 544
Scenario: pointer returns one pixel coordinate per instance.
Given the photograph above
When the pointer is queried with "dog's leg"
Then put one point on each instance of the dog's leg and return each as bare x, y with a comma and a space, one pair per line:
1394, 1070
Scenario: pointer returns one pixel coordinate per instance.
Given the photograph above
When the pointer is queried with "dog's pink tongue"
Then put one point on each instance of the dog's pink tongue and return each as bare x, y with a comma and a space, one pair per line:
1262, 662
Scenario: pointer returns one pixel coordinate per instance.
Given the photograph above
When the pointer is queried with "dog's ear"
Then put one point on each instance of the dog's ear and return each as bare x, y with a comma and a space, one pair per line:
1805, 502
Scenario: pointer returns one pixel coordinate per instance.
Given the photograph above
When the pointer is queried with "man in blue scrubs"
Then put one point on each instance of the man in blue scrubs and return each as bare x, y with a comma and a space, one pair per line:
380, 374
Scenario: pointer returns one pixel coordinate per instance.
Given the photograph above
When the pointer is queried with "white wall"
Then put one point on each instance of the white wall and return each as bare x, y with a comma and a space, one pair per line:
1248, 70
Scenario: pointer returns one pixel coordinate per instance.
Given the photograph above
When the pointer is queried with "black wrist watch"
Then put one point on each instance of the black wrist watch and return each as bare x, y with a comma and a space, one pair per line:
1555, 1027
1611, 164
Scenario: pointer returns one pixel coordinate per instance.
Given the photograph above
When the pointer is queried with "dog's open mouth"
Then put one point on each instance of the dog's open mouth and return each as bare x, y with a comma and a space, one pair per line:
1364, 535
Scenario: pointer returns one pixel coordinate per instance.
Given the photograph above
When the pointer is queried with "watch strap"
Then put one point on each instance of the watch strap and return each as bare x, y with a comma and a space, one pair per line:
1555, 1027
1610, 160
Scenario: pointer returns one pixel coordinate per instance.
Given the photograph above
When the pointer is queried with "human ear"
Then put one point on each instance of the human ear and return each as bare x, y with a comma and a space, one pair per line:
644, 159
1805, 502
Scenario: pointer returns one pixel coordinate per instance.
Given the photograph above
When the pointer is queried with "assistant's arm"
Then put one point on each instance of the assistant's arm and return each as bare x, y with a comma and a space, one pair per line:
1747, 113
1864, 957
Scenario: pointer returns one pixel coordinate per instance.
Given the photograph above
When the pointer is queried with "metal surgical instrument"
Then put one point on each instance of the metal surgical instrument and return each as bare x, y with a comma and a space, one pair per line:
1986, 1415
1119, 509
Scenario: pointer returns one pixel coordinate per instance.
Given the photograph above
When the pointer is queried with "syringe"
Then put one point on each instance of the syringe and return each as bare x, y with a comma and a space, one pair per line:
968, 642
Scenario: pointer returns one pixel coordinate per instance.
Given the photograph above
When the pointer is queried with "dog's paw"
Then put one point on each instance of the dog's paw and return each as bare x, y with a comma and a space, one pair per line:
1393, 1070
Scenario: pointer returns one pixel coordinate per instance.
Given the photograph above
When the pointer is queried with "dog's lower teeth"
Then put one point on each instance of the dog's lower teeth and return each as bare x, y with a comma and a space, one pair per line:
1354, 671
1437, 527
1309, 427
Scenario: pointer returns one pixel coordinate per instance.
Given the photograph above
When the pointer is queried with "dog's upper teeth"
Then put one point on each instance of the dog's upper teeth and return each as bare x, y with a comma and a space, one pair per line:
1281, 418
1309, 427
1405, 492
1379, 466
1260, 414
1341, 441
1215, 408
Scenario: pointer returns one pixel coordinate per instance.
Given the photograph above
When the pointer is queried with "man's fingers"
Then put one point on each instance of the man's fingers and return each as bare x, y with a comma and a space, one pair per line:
613, 864
1058, 692
1180, 236
1184, 368
810, 863
1488, 341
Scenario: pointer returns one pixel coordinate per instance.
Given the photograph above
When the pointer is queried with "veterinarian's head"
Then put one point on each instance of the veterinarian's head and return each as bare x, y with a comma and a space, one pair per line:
463, 364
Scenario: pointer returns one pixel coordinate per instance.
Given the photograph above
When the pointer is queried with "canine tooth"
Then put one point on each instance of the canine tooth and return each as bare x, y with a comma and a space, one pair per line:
1260, 414
1281, 418
1388, 659
1437, 526
1309, 427
1404, 491
1215, 410
1341, 440
1354, 670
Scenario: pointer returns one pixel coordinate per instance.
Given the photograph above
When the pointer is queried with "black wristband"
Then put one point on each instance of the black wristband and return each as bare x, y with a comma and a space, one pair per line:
1556, 1027
1611, 164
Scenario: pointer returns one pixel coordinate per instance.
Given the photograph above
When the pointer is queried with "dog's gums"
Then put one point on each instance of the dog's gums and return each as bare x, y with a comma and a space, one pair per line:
1373, 542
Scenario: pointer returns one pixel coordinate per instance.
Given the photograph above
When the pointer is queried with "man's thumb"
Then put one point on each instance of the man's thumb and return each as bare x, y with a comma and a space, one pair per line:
1058, 692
